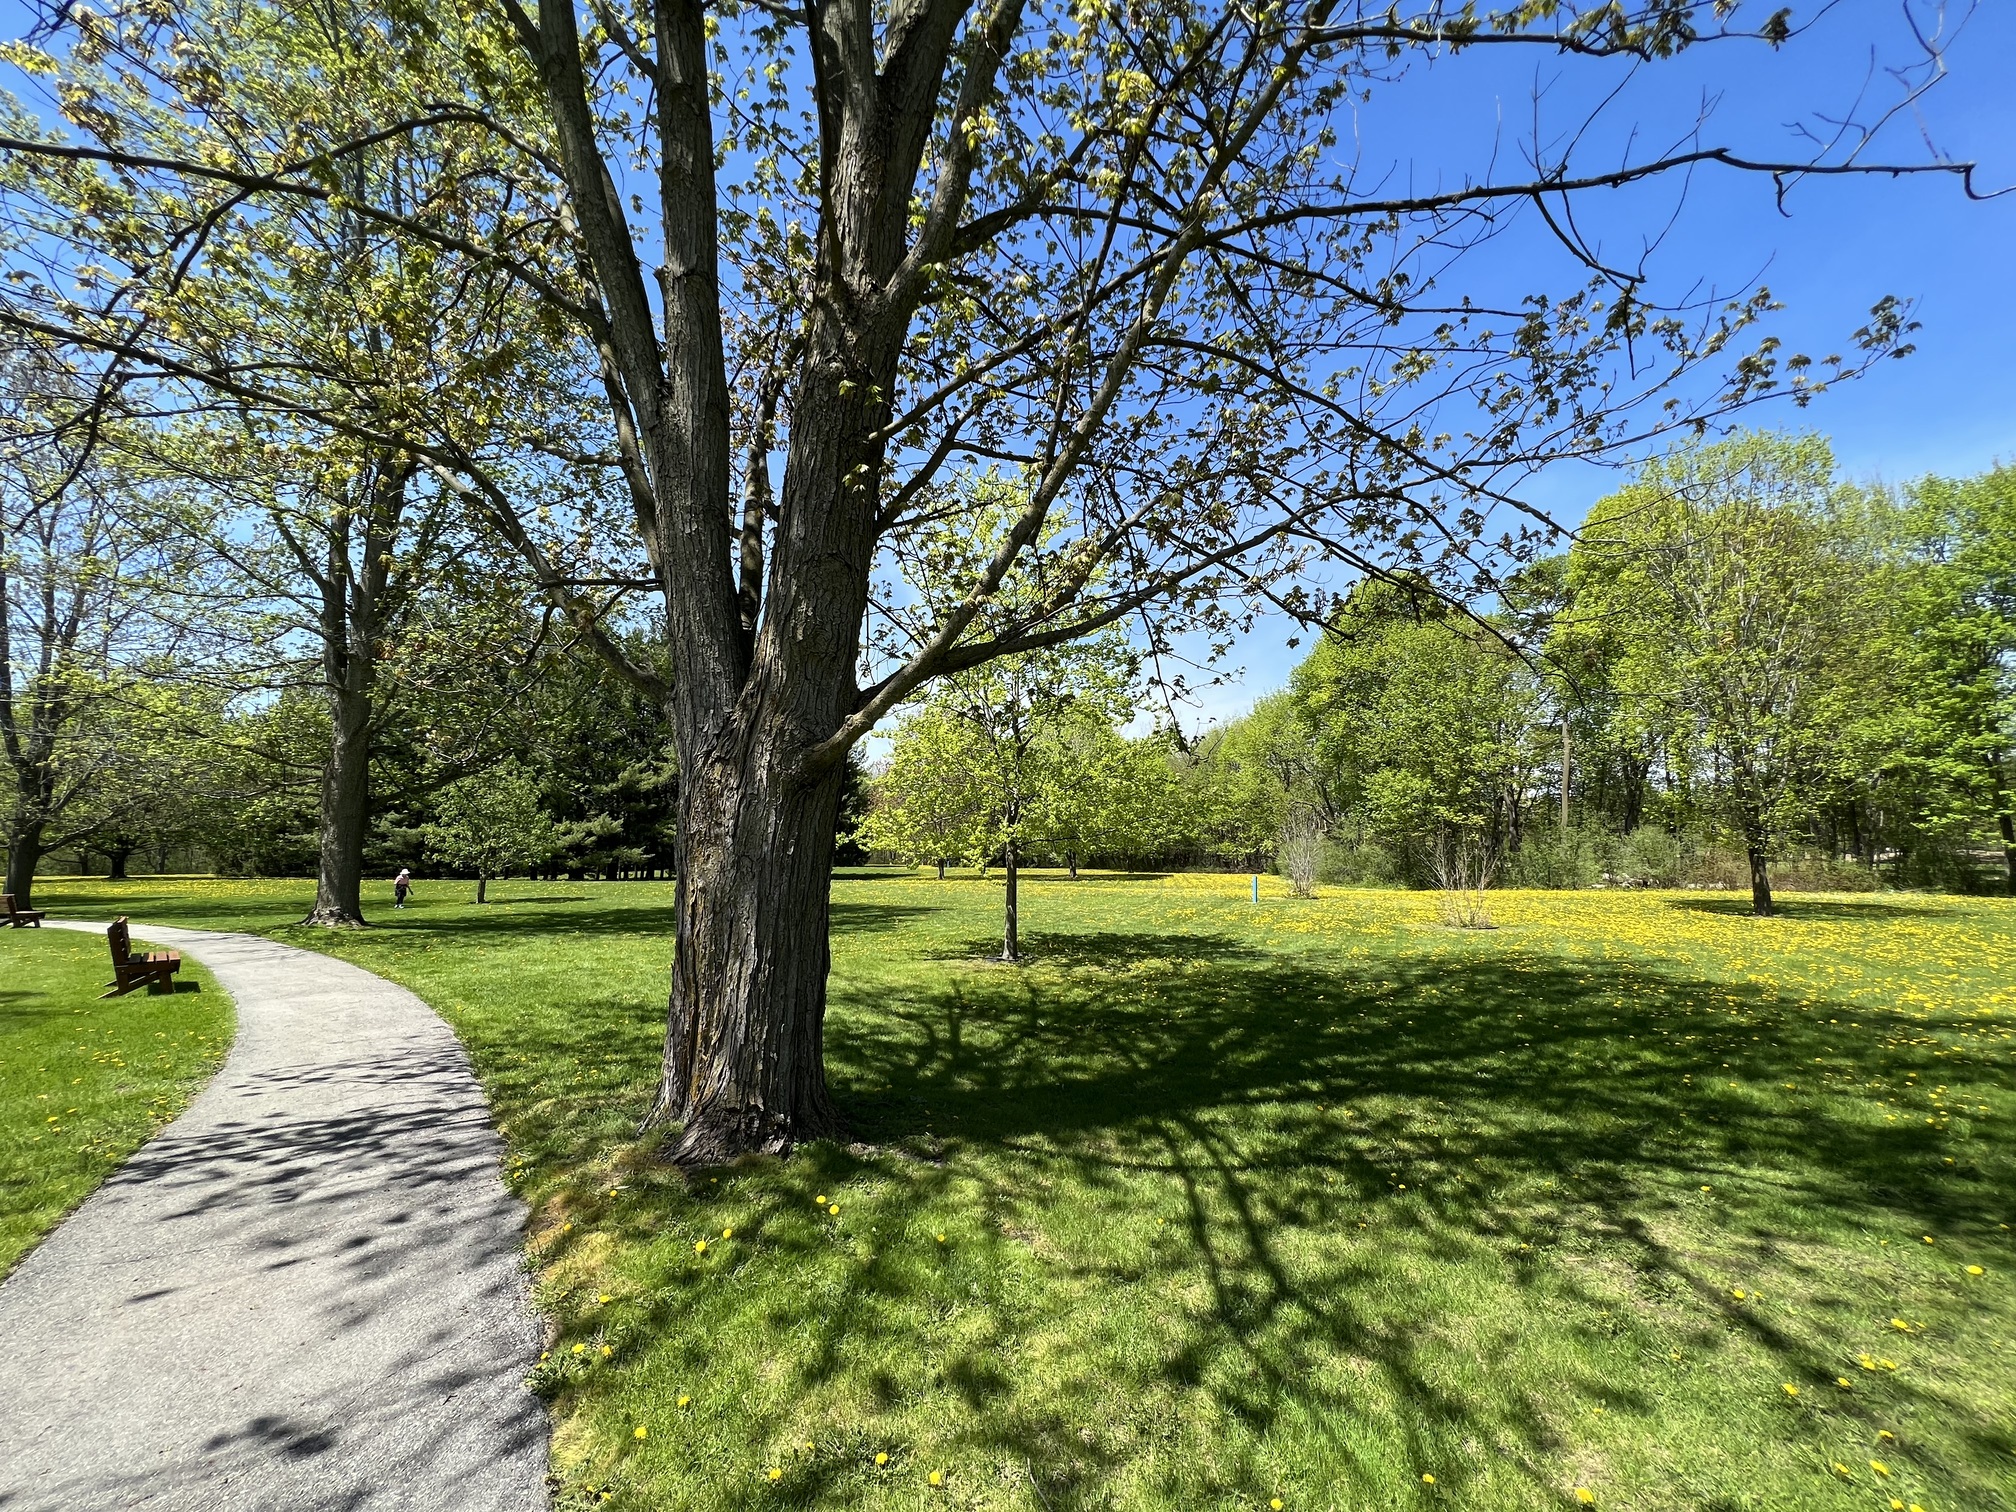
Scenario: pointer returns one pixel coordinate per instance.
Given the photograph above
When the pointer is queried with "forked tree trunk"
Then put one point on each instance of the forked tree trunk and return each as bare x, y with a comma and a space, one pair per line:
744, 1066
346, 812
1760, 883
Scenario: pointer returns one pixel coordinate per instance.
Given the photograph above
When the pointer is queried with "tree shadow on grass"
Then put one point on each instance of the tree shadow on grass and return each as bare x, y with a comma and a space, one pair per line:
1817, 909
1528, 1105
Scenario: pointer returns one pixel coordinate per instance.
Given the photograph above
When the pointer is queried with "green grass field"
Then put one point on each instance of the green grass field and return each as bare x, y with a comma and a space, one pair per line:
1633, 1200
87, 1082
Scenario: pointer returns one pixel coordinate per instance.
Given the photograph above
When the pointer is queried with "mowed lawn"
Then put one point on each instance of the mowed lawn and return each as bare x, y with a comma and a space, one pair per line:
84, 1083
1633, 1199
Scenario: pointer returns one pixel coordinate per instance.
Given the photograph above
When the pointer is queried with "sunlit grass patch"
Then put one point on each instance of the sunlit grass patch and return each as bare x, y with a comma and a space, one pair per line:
1304, 1200
84, 1082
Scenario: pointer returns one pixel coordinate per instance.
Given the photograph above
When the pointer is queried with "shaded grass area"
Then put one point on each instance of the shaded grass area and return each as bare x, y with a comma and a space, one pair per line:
84, 1083
1212, 1203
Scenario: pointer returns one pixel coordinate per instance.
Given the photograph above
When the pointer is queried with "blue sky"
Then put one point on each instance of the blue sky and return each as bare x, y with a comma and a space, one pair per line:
1950, 407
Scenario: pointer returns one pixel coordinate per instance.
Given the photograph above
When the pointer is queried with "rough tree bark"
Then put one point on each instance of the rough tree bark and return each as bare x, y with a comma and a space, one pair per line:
1011, 943
24, 854
346, 812
1760, 882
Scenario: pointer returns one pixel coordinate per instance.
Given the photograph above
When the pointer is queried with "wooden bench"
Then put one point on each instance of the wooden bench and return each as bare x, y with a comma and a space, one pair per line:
156, 968
20, 918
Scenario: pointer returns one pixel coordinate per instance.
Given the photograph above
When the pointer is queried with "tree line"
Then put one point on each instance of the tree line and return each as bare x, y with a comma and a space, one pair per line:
1741, 661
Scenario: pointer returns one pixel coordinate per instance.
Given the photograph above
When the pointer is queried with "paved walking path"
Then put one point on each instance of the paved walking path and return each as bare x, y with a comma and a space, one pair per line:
303, 1294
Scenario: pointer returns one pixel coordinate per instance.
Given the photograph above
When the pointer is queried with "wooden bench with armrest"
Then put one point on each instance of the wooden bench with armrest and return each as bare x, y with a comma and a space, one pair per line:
154, 968
20, 918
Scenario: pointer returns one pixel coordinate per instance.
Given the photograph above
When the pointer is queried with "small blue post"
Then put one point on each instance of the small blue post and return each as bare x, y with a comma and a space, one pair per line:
1256, 887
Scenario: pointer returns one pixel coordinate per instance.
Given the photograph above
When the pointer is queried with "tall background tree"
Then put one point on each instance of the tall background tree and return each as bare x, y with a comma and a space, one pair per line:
86, 747
1728, 585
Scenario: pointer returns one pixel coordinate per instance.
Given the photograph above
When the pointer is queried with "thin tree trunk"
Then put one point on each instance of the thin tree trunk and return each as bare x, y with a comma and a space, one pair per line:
2009, 848
744, 1067
1011, 944
346, 811
1760, 883
482, 888
941, 868
1074, 866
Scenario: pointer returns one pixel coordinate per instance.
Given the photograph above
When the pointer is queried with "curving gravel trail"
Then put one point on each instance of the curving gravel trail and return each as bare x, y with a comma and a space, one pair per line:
306, 1293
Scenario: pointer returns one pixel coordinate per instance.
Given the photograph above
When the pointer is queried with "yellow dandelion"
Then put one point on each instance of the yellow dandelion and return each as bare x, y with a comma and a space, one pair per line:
1843, 1471
580, 1349
834, 1210
776, 1473
727, 1233
1791, 1390
808, 1446
1928, 1239
1879, 1467
820, 1200
1840, 1380
937, 1477
1427, 1480
604, 1298
1900, 1325
1885, 1434
1737, 1294
699, 1246
1896, 1505
1585, 1496
642, 1432
607, 1351
881, 1458
1276, 1504
684, 1400
1975, 1270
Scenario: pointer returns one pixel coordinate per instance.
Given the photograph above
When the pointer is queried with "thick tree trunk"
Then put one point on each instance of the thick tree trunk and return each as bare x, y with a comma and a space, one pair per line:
1760, 883
116, 858
1074, 866
346, 813
744, 1067
24, 854
1011, 943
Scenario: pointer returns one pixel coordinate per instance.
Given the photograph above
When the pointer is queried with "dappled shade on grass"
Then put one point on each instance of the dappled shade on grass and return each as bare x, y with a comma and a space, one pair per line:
1302, 1200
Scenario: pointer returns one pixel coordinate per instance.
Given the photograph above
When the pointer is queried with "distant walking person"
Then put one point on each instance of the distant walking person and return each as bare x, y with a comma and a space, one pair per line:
401, 885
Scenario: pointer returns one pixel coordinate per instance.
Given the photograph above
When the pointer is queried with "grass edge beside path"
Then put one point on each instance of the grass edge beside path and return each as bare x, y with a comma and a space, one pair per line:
89, 1079
1212, 1204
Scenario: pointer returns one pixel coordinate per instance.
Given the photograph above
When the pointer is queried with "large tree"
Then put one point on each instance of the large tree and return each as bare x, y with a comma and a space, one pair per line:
1732, 599
836, 246
85, 745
